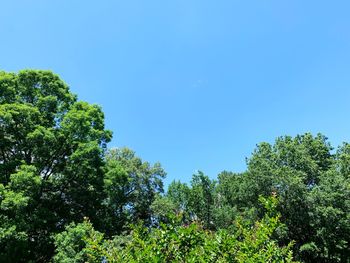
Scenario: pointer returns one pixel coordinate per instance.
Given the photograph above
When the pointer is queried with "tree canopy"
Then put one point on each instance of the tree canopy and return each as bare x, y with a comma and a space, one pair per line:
66, 197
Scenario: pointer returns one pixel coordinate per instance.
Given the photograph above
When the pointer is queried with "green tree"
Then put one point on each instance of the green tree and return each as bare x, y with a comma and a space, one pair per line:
79, 243
306, 178
179, 194
330, 213
329, 217
163, 210
233, 198
201, 199
15, 200
131, 186
51, 160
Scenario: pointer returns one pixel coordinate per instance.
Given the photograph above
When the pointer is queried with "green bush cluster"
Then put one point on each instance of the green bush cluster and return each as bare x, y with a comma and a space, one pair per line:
174, 242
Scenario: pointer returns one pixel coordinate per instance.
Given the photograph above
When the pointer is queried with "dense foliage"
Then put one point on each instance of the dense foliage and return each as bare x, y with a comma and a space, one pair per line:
174, 242
66, 197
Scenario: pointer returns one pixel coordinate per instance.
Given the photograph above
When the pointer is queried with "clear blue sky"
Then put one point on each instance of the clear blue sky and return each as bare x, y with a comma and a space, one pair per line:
194, 84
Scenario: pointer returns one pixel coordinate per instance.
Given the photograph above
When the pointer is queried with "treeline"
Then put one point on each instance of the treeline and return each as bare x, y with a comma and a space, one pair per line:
66, 197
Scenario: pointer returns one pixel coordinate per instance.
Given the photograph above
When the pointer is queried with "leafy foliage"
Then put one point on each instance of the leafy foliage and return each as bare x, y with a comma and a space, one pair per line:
65, 197
131, 186
173, 243
51, 160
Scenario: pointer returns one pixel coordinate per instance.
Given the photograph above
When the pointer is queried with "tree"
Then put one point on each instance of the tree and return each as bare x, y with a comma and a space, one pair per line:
304, 153
79, 243
329, 217
233, 198
15, 225
330, 213
163, 210
291, 168
306, 178
179, 193
51, 160
131, 186
201, 198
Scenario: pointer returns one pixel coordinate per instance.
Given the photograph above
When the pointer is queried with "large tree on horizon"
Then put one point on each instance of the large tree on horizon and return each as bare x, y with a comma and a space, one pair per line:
51, 162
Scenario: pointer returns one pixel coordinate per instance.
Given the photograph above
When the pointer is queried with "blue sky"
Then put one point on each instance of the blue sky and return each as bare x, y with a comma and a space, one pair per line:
193, 84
